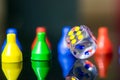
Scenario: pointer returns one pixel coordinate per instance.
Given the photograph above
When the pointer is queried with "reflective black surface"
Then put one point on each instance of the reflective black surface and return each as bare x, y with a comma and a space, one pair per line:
27, 72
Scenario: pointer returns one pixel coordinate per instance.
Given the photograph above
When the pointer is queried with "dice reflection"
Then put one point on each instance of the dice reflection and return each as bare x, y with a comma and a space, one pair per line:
82, 70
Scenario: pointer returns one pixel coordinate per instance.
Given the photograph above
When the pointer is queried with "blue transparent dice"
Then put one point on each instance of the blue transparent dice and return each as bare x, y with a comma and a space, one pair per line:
81, 42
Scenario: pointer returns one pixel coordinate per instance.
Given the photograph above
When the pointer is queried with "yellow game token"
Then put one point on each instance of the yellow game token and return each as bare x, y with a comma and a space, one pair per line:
77, 28
11, 52
70, 33
73, 41
72, 37
80, 37
78, 33
73, 78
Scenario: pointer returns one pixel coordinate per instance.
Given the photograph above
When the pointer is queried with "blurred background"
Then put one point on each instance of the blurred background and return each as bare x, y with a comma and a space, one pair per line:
26, 15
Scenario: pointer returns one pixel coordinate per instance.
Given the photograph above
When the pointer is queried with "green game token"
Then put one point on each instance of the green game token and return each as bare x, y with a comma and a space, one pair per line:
41, 50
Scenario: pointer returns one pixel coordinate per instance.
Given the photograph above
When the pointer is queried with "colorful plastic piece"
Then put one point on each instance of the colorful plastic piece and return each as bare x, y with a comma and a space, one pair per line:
12, 70
11, 52
40, 29
104, 52
104, 45
81, 42
11, 30
41, 50
41, 69
65, 57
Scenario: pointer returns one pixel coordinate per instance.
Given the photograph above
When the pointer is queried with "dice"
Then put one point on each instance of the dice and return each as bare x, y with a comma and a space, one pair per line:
81, 42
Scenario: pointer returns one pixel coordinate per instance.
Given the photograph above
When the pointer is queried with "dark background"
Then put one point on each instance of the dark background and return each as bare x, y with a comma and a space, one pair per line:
27, 15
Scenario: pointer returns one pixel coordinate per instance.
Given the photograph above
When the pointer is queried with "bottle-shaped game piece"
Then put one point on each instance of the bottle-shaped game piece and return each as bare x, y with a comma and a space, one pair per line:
41, 69
11, 52
11, 30
103, 55
40, 29
12, 70
104, 45
41, 50
65, 57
